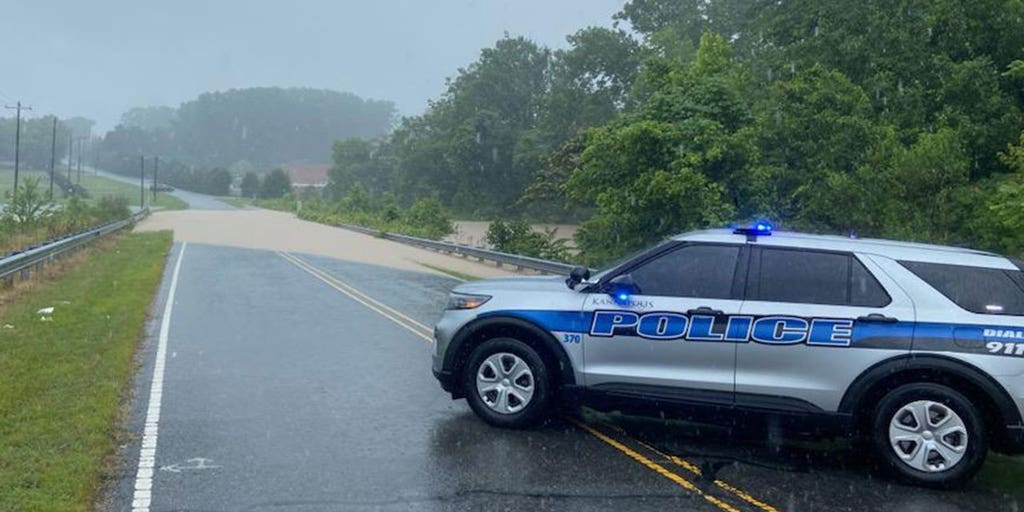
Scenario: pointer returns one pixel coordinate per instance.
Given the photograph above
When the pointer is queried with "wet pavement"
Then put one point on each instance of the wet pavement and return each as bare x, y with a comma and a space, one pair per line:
283, 392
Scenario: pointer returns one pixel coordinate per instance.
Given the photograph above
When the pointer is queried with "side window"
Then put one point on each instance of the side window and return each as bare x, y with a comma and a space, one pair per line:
693, 271
990, 291
812, 277
864, 288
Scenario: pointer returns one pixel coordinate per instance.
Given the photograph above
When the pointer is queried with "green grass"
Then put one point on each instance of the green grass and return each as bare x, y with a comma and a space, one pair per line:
454, 273
283, 204
62, 379
7, 181
97, 186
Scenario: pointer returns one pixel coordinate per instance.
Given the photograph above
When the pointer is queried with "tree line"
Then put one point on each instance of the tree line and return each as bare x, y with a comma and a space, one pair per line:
881, 118
257, 127
37, 139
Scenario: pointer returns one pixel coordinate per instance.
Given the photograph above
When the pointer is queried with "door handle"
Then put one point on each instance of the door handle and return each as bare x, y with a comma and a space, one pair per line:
704, 310
878, 319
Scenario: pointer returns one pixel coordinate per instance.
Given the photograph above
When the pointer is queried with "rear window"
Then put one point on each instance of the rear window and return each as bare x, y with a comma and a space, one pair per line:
815, 277
988, 291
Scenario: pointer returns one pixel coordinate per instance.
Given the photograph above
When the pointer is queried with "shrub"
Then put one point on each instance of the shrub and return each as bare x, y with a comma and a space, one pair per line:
517, 237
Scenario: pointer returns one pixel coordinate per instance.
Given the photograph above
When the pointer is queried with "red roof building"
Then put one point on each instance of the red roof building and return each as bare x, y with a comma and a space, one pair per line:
307, 175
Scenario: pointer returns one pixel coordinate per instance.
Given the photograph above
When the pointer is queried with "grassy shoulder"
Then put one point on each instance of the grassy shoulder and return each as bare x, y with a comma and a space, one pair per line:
63, 379
99, 186
283, 204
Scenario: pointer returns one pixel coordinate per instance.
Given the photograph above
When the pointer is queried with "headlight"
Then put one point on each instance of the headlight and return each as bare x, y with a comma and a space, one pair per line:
464, 301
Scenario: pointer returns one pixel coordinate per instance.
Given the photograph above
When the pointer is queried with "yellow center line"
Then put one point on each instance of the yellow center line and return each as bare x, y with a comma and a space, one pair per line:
654, 466
424, 332
330, 282
693, 468
426, 328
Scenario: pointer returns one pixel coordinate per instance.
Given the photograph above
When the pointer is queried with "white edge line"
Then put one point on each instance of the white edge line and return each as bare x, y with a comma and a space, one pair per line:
147, 453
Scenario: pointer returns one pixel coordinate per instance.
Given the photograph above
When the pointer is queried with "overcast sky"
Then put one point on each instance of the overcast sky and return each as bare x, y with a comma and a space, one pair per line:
99, 58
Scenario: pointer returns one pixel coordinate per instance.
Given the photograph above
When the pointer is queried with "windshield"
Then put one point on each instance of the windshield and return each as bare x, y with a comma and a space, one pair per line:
230, 231
601, 274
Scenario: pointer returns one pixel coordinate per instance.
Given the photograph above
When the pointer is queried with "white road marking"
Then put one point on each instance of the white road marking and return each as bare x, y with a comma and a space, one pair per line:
147, 455
193, 463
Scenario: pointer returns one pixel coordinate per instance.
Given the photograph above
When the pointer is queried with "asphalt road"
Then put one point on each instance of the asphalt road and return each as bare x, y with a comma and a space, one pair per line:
284, 386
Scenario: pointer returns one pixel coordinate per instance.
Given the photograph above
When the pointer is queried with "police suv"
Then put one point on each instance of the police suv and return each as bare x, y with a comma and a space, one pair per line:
917, 350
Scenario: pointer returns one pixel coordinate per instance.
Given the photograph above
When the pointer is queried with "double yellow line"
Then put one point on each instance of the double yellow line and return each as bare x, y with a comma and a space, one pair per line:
424, 332
404, 321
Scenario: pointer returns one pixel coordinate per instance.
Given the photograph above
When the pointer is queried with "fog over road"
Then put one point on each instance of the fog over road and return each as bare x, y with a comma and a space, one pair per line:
296, 376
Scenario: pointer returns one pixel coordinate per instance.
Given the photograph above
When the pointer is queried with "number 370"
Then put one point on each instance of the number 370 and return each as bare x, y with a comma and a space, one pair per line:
572, 338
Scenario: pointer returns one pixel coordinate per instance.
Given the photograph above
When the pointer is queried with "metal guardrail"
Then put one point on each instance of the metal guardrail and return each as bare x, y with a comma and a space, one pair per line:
500, 258
25, 260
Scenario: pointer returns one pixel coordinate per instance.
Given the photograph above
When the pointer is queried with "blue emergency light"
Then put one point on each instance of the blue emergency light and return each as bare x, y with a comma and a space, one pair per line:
759, 228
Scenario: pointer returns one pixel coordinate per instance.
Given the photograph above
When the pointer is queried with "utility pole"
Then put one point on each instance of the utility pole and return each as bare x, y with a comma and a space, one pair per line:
71, 145
53, 155
80, 139
142, 181
156, 168
17, 142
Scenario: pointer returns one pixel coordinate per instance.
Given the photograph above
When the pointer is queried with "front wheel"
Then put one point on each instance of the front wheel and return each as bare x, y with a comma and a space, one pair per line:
929, 434
507, 383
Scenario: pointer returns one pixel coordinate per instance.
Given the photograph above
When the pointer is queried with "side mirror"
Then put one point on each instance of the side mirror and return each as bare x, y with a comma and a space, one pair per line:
621, 288
576, 276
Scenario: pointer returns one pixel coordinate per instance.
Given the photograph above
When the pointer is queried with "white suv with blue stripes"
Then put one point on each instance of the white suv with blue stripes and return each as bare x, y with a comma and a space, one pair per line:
916, 349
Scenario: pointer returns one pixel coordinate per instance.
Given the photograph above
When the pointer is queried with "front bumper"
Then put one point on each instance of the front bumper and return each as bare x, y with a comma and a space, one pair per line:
446, 378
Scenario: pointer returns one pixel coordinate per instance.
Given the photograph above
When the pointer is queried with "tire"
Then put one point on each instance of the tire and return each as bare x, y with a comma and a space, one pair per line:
507, 384
929, 435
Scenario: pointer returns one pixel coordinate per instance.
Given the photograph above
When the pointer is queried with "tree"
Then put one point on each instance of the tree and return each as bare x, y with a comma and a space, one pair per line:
250, 185
265, 126
150, 118
217, 182
276, 184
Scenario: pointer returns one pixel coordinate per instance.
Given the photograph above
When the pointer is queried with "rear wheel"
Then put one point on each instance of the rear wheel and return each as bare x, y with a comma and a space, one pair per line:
507, 383
929, 434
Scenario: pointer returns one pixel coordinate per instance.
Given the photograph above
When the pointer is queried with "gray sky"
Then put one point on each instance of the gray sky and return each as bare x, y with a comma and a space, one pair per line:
99, 58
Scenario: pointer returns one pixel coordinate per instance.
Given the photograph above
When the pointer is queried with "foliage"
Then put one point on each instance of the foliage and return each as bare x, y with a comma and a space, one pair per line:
31, 218
29, 205
250, 185
879, 118
36, 141
150, 118
425, 218
517, 237
883, 118
265, 126
274, 185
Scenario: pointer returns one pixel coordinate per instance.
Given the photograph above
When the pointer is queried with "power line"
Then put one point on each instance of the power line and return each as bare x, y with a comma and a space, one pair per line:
17, 144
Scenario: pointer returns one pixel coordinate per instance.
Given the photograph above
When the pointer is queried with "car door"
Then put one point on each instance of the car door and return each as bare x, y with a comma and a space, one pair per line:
819, 319
638, 344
